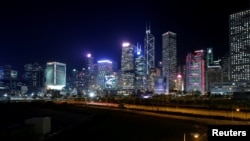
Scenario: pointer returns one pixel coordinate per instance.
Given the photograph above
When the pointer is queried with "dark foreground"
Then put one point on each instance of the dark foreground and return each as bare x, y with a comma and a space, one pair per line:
70, 123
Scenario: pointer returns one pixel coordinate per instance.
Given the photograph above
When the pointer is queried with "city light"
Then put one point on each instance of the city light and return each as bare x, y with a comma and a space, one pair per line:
88, 55
92, 94
104, 61
125, 44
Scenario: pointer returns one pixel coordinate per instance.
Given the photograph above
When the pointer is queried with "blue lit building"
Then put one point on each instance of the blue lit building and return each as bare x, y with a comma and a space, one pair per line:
90, 72
140, 70
105, 72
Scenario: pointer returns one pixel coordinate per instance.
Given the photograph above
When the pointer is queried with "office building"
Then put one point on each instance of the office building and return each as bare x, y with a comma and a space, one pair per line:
34, 75
55, 75
195, 72
140, 70
169, 59
127, 67
149, 50
105, 72
239, 42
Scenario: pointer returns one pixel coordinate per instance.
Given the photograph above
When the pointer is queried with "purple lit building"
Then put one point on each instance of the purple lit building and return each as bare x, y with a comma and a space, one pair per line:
195, 71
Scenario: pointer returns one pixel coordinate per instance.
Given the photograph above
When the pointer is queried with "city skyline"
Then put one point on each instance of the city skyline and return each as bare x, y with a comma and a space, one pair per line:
66, 32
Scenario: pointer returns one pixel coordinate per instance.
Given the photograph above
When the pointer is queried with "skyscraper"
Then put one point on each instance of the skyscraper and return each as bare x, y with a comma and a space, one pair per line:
169, 59
105, 69
149, 50
209, 57
140, 67
127, 67
34, 75
239, 42
55, 75
195, 72
90, 75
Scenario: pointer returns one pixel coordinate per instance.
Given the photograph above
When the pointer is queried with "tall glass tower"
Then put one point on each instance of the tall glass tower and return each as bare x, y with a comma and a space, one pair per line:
169, 59
90, 75
239, 46
127, 67
105, 69
209, 57
140, 74
149, 50
55, 75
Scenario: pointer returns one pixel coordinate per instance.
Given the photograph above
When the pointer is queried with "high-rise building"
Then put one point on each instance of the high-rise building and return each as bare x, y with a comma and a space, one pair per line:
149, 50
34, 75
127, 67
105, 71
140, 70
169, 59
239, 42
90, 72
209, 57
55, 75
225, 67
8, 76
214, 74
7, 72
195, 72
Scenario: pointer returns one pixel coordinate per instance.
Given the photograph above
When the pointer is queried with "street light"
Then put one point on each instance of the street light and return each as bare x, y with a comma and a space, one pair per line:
194, 135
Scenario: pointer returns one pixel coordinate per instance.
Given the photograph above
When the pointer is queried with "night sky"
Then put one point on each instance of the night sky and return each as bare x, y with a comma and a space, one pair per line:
66, 31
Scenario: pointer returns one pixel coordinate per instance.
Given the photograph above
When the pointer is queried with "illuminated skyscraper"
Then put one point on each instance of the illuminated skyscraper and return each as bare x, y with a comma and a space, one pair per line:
127, 67
89, 69
140, 70
209, 58
239, 42
55, 75
195, 72
169, 59
149, 50
105, 70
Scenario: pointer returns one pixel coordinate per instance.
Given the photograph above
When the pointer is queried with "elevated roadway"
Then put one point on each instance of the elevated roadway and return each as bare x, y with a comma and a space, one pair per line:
233, 114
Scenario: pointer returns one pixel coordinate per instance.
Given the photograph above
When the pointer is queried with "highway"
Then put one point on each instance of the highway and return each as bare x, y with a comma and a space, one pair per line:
88, 123
233, 114
126, 126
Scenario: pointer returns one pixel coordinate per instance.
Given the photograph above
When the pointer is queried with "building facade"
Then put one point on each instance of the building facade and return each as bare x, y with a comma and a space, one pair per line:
55, 75
239, 42
169, 59
34, 75
195, 72
127, 67
149, 50
105, 69
140, 70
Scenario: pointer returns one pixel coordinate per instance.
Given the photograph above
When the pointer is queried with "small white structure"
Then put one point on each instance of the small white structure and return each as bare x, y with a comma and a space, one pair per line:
41, 125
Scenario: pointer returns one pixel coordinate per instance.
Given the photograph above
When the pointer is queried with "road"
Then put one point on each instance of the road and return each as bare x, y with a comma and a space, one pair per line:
88, 123
231, 115
125, 126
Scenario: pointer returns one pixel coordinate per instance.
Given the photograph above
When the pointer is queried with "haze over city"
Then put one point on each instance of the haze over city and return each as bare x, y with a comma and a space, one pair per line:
67, 31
